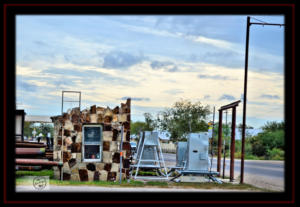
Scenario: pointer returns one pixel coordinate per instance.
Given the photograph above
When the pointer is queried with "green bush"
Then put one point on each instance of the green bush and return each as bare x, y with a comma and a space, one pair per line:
275, 154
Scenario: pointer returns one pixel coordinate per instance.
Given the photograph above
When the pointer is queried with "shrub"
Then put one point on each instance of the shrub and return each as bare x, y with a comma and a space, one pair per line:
275, 154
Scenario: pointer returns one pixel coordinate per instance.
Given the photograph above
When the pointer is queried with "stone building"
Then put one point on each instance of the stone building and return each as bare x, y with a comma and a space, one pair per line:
88, 143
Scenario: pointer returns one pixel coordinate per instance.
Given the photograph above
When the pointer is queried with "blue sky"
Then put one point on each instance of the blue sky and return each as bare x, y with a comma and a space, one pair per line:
155, 60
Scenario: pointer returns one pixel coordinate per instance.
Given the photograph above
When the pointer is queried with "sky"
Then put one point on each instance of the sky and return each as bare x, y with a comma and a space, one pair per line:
155, 60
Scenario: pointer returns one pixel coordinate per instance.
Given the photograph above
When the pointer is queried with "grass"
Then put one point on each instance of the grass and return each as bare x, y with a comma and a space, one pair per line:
22, 173
144, 173
228, 186
159, 184
134, 183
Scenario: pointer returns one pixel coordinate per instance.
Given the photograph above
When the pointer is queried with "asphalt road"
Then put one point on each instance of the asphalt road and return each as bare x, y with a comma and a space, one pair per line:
58, 188
261, 173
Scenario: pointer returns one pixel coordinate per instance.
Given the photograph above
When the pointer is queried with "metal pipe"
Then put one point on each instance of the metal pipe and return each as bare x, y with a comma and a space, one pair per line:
62, 151
219, 142
36, 162
245, 101
121, 153
62, 102
30, 168
232, 144
30, 151
270, 24
79, 101
224, 159
212, 140
30, 145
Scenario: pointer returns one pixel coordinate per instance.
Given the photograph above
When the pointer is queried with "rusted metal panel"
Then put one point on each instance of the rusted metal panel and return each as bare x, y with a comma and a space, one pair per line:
36, 162
30, 168
30, 145
30, 151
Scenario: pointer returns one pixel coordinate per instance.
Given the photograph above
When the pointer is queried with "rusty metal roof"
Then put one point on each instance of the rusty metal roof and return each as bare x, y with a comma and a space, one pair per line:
38, 119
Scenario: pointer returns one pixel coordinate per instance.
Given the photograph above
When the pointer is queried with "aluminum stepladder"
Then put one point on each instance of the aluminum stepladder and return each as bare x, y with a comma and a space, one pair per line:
62, 127
149, 155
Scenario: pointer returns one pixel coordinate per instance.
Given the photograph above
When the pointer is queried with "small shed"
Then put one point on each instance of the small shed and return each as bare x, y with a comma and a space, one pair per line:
88, 143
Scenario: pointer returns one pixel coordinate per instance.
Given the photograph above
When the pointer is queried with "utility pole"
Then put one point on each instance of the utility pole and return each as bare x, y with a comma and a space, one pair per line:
249, 23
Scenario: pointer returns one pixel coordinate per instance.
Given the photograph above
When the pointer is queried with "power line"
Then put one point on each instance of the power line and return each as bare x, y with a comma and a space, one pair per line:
263, 23
259, 20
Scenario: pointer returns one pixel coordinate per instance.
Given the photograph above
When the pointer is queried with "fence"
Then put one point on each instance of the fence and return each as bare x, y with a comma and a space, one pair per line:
168, 147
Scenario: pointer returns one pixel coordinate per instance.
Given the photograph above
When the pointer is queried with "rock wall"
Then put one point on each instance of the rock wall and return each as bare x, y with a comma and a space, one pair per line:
68, 128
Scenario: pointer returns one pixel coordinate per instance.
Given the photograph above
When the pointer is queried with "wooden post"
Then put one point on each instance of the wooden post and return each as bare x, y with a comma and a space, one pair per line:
219, 142
232, 146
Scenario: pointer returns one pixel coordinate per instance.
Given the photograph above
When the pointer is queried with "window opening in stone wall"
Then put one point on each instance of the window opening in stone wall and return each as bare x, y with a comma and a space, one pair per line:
92, 143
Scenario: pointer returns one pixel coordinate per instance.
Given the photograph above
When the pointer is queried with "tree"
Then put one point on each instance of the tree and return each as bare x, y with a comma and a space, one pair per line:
148, 125
273, 126
270, 141
45, 128
240, 127
28, 128
184, 117
39, 128
150, 122
137, 127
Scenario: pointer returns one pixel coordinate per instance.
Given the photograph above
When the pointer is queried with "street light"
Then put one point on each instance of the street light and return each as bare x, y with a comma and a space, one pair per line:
249, 23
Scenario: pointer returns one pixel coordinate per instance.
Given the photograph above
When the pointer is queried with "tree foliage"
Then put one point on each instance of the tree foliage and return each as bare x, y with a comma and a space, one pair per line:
148, 125
270, 141
273, 126
40, 128
184, 117
28, 128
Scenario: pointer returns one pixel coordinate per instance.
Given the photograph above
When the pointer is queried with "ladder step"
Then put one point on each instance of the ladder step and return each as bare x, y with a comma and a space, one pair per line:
150, 178
146, 166
150, 160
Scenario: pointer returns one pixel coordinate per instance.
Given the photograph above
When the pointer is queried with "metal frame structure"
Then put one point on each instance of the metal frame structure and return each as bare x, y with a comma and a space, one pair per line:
232, 143
62, 128
62, 99
150, 139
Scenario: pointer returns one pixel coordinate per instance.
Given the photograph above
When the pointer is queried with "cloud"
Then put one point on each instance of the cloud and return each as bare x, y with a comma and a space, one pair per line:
210, 41
26, 86
40, 43
215, 77
118, 59
174, 91
267, 96
257, 103
159, 64
227, 97
173, 69
175, 34
136, 98
74, 72
206, 97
